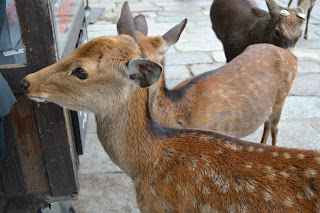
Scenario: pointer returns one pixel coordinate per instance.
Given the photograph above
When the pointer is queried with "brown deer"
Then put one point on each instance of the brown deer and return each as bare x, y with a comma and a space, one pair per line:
234, 100
239, 23
312, 2
174, 170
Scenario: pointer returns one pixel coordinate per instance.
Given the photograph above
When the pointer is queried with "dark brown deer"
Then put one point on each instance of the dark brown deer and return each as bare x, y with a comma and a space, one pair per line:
239, 23
235, 99
174, 170
312, 2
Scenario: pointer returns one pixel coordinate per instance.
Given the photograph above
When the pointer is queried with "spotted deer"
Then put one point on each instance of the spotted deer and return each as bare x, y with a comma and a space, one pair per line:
239, 23
234, 100
173, 170
311, 5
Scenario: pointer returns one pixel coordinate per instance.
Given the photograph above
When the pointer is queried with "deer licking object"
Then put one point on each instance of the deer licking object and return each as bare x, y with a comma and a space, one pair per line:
239, 23
108, 77
308, 14
234, 100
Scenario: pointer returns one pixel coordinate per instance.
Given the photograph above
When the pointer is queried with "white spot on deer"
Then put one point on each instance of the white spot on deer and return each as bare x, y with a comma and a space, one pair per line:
286, 155
232, 146
193, 202
152, 189
198, 180
248, 165
178, 187
300, 156
166, 207
244, 208
205, 208
318, 160
250, 148
218, 151
309, 193
289, 76
232, 209
271, 172
260, 150
284, 174
156, 162
267, 195
193, 164
299, 196
288, 201
168, 177
310, 173
169, 153
275, 154
223, 184
206, 190
250, 186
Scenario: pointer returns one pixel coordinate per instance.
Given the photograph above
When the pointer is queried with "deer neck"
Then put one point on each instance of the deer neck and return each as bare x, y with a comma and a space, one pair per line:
127, 133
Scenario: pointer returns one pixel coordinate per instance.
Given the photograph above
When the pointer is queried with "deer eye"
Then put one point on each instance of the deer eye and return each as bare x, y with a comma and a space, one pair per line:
80, 73
276, 32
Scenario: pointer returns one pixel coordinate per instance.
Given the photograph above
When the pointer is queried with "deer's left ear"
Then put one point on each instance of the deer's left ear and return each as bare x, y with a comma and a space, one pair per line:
143, 72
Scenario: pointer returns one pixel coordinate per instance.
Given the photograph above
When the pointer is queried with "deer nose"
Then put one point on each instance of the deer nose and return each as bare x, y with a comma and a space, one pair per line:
25, 85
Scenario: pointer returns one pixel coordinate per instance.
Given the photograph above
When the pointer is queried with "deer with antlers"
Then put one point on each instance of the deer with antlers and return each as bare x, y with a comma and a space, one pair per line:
239, 23
109, 77
311, 5
234, 100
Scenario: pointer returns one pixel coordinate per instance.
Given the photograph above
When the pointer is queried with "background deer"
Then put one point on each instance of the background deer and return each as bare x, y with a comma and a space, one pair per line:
239, 23
308, 14
108, 76
234, 100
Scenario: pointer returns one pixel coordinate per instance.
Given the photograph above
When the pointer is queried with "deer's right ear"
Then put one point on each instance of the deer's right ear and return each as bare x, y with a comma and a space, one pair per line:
173, 35
125, 24
140, 24
143, 72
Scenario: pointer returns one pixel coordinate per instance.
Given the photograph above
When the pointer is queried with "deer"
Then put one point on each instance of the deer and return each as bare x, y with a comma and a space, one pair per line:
239, 23
234, 100
110, 77
312, 2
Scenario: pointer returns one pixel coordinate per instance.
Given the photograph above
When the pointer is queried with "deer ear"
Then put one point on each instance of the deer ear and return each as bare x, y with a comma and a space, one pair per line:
143, 72
173, 35
140, 24
125, 23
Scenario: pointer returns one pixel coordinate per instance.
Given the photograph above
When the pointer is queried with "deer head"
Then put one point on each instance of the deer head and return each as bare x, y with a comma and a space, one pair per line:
286, 23
98, 73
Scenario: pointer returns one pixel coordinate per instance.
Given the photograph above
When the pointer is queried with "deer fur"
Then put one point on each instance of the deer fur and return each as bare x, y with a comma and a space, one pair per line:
239, 23
173, 170
312, 2
234, 100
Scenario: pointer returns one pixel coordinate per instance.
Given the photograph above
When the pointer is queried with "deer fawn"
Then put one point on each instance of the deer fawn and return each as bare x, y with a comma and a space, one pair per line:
308, 14
233, 100
239, 23
173, 170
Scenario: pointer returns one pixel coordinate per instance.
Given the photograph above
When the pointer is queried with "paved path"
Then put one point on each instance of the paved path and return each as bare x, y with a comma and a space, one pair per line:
104, 187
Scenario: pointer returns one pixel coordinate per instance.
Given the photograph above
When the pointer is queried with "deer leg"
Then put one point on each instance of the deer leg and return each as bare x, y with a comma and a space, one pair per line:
274, 120
274, 134
307, 24
290, 3
266, 132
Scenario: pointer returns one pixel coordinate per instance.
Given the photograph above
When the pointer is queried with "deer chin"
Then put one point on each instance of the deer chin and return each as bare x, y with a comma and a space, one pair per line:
38, 99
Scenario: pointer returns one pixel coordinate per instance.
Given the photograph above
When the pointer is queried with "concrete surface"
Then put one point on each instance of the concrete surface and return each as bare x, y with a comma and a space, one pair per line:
104, 188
